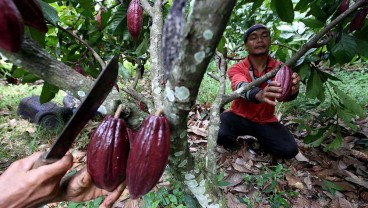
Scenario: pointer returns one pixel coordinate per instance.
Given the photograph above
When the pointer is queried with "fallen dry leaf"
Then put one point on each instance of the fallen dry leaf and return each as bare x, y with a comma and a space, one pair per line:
232, 201
340, 203
234, 178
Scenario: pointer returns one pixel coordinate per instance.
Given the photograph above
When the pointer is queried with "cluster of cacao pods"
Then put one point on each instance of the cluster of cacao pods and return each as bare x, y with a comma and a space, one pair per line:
13, 16
135, 19
116, 153
284, 77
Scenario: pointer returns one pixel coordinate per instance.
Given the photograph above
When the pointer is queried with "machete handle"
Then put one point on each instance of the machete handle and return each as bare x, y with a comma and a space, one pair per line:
41, 161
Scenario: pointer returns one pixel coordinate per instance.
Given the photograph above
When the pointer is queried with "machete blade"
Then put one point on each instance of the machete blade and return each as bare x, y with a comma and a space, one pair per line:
86, 110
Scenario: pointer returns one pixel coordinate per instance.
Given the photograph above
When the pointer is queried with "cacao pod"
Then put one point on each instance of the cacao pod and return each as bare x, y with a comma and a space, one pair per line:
148, 156
11, 26
131, 136
32, 14
107, 153
358, 20
344, 6
284, 77
135, 19
78, 68
98, 19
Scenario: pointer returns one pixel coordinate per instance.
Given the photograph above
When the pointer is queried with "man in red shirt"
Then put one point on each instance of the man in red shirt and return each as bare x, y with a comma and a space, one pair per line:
253, 114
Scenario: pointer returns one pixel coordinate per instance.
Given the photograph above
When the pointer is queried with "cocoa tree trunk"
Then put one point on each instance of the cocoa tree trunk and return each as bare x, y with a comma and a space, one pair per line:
202, 33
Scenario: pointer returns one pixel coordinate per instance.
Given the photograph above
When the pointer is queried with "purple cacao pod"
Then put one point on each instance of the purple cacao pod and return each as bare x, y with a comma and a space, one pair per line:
148, 156
107, 153
284, 77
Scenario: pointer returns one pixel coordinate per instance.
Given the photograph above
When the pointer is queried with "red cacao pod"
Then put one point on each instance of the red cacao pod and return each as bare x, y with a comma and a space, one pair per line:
131, 135
32, 14
148, 156
358, 20
107, 153
98, 19
11, 26
78, 68
344, 6
284, 77
135, 19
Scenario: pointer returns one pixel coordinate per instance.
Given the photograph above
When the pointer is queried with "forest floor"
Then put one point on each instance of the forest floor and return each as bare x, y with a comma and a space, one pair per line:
248, 177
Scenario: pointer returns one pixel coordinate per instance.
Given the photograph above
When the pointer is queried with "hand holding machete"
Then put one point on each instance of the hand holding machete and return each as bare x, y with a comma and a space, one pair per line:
35, 180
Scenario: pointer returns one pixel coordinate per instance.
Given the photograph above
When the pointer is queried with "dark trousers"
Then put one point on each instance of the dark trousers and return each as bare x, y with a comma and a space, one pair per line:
274, 137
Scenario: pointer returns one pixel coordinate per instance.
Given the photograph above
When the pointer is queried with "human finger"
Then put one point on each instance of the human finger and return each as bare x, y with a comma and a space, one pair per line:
111, 198
57, 168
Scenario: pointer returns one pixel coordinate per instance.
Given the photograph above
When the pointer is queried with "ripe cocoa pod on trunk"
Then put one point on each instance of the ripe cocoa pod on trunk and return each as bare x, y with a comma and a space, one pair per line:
107, 153
11, 26
344, 6
148, 156
135, 19
32, 14
358, 20
284, 77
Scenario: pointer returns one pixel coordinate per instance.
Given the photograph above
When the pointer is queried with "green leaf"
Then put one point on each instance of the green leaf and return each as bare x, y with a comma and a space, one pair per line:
362, 46
312, 23
118, 22
345, 50
86, 4
314, 85
48, 92
331, 185
189, 201
19, 72
223, 183
318, 12
256, 5
304, 71
29, 78
336, 143
285, 11
316, 139
49, 12
220, 46
302, 5
348, 102
143, 47
36, 35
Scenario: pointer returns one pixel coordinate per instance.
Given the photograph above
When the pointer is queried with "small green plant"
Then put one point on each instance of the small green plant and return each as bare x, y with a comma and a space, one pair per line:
90, 204
331, 187
267, 182
165, 198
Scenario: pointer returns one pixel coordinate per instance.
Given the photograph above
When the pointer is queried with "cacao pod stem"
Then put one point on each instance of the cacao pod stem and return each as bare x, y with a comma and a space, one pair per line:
11, 26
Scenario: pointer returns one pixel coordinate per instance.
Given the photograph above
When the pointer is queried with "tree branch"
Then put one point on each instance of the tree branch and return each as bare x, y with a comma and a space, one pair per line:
134, 94
94, 53
147, 7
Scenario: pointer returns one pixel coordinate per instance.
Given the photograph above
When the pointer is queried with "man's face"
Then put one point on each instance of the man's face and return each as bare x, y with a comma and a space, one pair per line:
258, 42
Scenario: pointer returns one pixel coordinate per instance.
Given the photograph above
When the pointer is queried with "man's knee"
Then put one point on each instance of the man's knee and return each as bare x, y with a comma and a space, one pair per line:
289, 152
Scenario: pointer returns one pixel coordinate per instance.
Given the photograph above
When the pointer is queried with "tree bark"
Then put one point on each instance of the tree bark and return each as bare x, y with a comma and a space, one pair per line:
202, 33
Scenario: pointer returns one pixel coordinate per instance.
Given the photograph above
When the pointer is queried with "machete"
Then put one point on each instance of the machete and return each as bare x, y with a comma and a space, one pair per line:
86, 110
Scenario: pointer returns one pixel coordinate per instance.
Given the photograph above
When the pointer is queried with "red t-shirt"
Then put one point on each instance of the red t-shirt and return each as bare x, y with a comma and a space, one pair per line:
256, 112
